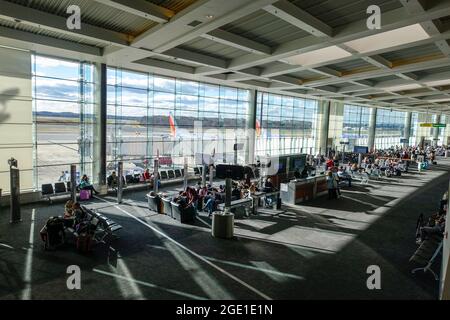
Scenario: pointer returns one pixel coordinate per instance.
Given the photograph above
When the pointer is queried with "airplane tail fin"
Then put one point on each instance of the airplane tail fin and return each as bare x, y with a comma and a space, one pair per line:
173, 125
258, 128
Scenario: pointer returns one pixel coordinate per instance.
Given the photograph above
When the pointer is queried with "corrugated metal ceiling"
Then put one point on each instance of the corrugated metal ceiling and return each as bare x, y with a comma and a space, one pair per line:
424, 50
207, 46
174, 5
49, 33
338, 13
265, 28
94, 13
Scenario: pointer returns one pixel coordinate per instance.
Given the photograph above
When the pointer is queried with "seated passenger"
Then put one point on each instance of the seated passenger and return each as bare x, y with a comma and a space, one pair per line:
68, 210
297, 174
112, 180
86, 185
268, 185
209, 203
344, 176
79, 214
438, 228
305, 172
236, 193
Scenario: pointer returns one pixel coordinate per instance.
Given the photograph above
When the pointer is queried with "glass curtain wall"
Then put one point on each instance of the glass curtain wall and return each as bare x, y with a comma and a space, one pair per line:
285, 125
355, 129
390, 128
63, 105
150, 115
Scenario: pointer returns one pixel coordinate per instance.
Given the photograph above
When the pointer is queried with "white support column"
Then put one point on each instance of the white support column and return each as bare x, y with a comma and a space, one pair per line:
251, 128
436, 131
372, 129
324, 114
407, 134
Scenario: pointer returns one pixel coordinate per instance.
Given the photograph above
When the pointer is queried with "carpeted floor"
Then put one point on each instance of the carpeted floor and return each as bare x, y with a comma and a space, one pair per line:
319, 250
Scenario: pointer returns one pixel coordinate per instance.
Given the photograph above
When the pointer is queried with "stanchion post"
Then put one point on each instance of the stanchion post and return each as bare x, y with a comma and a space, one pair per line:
120, 186
156, 175
15, 191
185, 176
204, 175
228, 183
73, 182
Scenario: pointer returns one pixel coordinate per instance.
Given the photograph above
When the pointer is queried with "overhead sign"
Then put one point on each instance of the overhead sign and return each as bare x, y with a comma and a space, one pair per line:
360, 149
345, 142
433, 125
404, 140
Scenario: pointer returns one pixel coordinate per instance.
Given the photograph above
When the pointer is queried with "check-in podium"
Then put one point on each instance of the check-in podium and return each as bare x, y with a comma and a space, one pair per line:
300, 190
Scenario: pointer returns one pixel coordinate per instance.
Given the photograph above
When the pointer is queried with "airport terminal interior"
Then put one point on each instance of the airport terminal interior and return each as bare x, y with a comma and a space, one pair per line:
224, 150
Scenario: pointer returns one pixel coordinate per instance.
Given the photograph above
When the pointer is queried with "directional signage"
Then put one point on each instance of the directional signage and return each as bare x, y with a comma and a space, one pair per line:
433, 125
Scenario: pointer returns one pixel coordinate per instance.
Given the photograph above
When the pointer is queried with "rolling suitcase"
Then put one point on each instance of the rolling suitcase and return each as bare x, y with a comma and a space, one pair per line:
84, 243
85, 195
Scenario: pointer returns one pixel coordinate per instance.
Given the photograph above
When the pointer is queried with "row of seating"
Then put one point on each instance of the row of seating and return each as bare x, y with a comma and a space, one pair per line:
168, 207
59, 188
105, 227
49, 190
164, 175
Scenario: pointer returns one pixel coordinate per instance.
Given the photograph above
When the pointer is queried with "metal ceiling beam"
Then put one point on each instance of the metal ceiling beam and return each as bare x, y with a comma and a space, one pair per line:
56, 23
423, 65
141, 8
191, 56
47, 41
236, 41
287, 68
300, 18
431, 27
165, 65
178, 31
327, 71
378, 61
393, 19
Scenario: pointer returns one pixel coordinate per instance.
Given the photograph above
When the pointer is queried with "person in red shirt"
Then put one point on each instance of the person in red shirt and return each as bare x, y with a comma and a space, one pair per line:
330, 163
146, 175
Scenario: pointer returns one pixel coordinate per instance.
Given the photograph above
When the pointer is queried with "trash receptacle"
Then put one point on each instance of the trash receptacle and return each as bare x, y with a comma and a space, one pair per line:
447, 153
222, 225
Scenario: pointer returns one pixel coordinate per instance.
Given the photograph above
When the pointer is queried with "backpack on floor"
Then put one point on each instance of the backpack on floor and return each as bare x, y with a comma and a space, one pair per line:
53, 232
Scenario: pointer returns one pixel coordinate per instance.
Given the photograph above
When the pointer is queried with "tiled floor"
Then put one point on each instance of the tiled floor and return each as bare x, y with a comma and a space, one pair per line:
319, 250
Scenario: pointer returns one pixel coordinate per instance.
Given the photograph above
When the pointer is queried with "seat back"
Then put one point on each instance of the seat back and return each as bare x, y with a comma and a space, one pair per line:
154, 203
167, 209
171, 174
47, 189
60, 187
175, 210
196, 171
177, 173
163, 175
